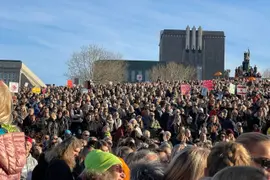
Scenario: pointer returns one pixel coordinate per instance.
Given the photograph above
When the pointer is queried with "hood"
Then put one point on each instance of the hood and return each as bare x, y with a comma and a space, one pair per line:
12, 153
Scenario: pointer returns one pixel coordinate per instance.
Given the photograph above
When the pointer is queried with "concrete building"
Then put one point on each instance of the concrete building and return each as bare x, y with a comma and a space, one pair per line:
204, 50
16, 71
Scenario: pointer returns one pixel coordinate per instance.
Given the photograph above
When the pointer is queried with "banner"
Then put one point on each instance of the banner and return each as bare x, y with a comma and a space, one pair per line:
185, 89
69, 83
241, 90
14, 87
232, 88
208, 84
36, 90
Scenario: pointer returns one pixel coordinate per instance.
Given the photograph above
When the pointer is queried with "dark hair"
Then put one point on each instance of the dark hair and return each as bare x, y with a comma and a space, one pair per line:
123, 151
101, 143
147, 171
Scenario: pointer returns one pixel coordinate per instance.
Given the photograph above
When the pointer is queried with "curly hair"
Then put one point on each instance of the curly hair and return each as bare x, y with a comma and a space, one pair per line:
64, 151
226, 154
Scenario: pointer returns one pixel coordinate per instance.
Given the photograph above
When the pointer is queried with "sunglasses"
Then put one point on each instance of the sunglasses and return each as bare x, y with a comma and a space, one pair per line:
263, 162
86, 135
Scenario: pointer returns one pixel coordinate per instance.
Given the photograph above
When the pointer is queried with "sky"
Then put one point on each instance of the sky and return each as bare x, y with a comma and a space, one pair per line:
44, 34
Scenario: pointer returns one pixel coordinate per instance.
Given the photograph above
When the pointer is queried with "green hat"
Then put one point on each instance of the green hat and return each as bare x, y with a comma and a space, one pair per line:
99, 161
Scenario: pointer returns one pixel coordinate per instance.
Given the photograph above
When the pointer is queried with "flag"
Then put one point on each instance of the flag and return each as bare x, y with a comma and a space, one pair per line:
14, 87
69, 83
241, 90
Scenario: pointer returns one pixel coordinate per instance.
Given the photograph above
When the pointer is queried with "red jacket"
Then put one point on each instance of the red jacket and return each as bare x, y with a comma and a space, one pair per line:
12, 155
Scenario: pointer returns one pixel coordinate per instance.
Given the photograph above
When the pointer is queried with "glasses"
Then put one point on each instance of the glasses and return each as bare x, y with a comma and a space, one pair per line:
263, 162
86, 135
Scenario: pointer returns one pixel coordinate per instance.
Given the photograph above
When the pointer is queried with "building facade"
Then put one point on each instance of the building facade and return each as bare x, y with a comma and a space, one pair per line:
139, 68
16, 71
204, 50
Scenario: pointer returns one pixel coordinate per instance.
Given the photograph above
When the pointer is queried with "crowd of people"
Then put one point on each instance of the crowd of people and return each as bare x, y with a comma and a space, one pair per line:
136, 131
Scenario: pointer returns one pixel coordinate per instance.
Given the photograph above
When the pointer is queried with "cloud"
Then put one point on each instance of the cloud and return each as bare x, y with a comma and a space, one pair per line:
44, 34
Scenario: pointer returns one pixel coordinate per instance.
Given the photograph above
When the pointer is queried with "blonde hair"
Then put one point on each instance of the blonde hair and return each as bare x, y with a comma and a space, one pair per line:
188, 165
226, 154
64, 151
5, 104
249, 140
240, 172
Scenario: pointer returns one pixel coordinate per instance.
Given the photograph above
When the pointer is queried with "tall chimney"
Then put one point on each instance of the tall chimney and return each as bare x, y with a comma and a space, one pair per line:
193, 38
187, 38
200, 33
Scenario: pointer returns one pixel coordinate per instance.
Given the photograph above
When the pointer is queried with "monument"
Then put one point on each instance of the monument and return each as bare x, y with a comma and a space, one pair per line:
246, 70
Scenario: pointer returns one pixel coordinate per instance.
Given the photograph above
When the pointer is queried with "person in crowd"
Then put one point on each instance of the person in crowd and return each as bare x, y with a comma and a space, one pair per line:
85, 135
225, 154
241, 172
31, 162
192, 162
102, 166
59, 162
12, 141
257, 145
146, 171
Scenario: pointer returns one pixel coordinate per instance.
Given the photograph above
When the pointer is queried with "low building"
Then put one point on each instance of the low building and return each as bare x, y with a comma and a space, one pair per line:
140, 69
16, 71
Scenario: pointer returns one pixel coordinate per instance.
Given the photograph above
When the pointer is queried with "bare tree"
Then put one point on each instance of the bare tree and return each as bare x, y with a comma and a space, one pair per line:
266, 73
172, 71
110, 70
82, 63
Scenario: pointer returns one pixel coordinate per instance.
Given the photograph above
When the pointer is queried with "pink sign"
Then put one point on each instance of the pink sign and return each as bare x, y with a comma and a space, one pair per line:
185, 89
208, 84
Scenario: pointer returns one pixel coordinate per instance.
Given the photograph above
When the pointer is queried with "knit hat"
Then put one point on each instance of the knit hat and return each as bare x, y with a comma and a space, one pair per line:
28, 139
99, 161
68, 132
125, 169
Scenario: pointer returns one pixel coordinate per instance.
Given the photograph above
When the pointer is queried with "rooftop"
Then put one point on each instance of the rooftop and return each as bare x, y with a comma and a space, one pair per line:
181, 32
8, 60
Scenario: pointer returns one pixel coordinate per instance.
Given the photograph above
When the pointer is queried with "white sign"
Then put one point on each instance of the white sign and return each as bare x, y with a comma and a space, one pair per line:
139, 77
26, 84
14, 87
241, 90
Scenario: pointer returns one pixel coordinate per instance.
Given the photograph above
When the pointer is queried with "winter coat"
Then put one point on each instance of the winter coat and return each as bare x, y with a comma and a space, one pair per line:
53, 128
63, 124
12, 155
28, 168
58, 170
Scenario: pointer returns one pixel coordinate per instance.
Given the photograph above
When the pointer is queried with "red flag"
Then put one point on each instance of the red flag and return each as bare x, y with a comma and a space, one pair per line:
69, 83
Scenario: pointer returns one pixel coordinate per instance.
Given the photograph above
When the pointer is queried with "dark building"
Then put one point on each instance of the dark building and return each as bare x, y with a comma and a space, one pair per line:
204, 50
16, 71
140, 68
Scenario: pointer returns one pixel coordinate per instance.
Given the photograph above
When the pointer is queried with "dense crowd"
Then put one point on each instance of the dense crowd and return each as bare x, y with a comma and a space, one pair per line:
137, 131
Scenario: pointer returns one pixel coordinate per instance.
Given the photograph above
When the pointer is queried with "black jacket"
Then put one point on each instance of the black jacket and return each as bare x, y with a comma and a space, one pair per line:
58, 170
